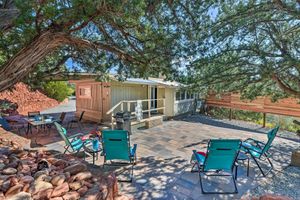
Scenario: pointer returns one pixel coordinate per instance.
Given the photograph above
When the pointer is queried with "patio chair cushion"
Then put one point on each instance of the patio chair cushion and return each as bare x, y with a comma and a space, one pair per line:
77, 144
254, 150
200, 157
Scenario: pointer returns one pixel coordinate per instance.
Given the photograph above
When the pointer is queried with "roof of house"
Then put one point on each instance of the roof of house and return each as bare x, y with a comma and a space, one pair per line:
80, 77
154, 81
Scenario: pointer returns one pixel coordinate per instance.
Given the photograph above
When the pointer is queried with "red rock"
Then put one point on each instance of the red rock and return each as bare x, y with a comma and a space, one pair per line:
60, 190
82, 191
76, 168
27, 100
26, 187
60, 163
9, 171
273, 197
44, 194
14, 190
39, 186
58, 180
21, 196
26, 179
71, 196
83, 175
56, 198
89, 185
75, 185
14, 181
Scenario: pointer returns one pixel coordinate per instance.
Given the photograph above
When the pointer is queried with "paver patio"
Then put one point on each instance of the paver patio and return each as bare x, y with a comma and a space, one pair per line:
163, 169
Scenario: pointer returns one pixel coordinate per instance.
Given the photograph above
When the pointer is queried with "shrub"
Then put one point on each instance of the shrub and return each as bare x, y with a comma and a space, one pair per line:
58, 90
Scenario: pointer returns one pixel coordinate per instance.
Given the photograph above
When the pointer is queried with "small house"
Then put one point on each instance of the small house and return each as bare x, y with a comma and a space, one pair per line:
147, 100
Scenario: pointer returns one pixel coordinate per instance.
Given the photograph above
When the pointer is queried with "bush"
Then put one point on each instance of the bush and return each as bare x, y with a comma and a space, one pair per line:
58, 90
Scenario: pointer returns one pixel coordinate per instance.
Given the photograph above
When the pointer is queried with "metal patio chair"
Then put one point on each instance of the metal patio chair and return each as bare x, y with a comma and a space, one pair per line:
219, 161
259, 150
117, 150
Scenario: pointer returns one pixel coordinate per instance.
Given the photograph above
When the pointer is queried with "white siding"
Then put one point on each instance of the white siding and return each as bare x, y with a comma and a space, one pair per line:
170, 98
120, 92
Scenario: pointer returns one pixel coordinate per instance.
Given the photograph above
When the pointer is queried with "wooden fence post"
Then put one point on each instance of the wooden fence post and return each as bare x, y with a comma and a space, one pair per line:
230, 114
264, 120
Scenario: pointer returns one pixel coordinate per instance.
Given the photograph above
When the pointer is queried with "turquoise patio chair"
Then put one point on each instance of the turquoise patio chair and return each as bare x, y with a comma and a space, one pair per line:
260, 150
117, 150
73, 143
219, 161
9, 127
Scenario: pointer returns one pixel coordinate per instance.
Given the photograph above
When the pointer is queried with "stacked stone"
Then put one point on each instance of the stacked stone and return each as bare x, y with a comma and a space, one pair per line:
26, 174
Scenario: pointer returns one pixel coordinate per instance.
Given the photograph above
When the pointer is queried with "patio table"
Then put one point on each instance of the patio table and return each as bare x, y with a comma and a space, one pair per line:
42, 121
93, 149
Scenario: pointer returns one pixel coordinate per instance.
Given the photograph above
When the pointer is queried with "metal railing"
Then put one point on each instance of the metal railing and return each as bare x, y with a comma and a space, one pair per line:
126, 105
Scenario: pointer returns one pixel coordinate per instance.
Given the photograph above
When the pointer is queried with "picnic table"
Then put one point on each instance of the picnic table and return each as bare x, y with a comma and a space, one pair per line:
42, 121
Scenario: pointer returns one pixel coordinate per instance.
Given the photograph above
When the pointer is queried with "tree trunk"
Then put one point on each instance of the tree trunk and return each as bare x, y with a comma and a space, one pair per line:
27, 58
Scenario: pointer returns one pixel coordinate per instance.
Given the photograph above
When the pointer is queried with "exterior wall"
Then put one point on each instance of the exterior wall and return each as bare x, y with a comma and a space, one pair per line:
160, 95
97, 104
170, 98
183, 106
122, 91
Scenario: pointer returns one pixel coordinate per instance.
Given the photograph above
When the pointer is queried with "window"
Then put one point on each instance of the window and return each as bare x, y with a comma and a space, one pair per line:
85, 91
177, 95
182, 94
188, 95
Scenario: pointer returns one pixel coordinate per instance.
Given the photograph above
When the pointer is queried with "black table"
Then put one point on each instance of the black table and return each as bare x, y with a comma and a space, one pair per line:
88, 148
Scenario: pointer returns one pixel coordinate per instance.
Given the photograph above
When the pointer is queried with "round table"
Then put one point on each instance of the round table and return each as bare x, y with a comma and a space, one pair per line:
88, 147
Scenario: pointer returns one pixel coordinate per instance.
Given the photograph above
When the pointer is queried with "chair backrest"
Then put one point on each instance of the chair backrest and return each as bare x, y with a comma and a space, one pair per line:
4, 123
271, 136
221, 154
116, 145
62, 132
62, 116
81, 116
34, 113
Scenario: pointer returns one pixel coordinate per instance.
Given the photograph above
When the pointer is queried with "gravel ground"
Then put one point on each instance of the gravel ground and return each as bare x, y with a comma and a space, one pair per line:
285, 183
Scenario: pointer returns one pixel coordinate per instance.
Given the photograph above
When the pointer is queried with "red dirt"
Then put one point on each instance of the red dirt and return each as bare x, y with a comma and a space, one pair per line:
27, 99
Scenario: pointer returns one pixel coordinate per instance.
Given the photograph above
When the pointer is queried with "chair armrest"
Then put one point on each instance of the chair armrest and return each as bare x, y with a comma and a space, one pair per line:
76, 135
133, 150
255, 141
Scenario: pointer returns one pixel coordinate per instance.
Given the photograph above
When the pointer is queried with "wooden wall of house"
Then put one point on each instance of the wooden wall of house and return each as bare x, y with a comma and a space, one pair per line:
124, 91
97, 103
170, 99
288, 106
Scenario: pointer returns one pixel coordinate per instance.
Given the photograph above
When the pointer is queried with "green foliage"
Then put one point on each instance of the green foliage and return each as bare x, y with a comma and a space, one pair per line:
58, 90
251, 47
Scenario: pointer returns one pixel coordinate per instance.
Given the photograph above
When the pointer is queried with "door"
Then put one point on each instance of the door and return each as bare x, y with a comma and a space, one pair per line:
153, 97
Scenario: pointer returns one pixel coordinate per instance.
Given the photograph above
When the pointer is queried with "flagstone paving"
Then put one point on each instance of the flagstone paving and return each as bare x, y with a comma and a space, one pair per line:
163, 169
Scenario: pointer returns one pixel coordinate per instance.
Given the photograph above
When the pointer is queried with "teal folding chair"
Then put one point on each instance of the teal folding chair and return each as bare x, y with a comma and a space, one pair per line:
9, 127
259, 150
74, 143
219, 161
117, 150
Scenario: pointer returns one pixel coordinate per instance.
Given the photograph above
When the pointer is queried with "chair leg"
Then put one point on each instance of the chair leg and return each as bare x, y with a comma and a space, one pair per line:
66, 149
261, 170
206, 192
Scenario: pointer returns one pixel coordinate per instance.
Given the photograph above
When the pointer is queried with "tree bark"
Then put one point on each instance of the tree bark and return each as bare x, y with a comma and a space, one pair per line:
22, 63
27, 58
284, 87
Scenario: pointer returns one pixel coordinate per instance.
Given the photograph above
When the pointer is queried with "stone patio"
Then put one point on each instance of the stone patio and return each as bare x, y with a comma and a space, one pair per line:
163, 169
